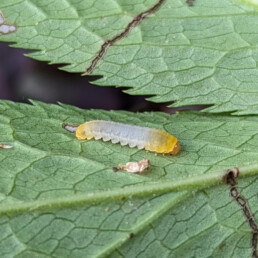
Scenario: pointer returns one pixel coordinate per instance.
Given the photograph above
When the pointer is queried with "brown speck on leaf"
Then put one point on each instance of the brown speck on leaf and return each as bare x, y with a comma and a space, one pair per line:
222, 245
131, 235
115, 169
190, 2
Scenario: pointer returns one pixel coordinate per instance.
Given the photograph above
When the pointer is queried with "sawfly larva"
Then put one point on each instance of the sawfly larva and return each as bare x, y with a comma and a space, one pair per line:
150, 139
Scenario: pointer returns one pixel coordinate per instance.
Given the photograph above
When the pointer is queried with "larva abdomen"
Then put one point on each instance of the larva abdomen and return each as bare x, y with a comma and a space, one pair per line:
151, 139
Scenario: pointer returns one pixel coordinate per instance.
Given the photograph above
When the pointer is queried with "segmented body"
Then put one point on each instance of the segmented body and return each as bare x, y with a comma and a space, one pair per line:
151, 139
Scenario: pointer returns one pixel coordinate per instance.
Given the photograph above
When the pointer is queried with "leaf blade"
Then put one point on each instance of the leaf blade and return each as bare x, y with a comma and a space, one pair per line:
49, 182
200, 55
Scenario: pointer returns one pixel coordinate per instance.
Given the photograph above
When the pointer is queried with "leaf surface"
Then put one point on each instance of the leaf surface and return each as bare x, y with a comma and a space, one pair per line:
204, 54
61, 198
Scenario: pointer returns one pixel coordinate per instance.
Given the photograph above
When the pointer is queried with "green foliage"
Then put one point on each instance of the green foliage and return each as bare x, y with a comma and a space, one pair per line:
61, 198
203, 54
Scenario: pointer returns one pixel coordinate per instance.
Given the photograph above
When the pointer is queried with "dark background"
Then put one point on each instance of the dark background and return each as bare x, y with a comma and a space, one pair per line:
22, 78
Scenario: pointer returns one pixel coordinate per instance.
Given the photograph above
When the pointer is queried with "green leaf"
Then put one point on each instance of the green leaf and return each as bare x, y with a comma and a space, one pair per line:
60, 197
203, 54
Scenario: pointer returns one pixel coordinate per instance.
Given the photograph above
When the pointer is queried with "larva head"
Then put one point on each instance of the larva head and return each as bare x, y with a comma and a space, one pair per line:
176, 149
80, 132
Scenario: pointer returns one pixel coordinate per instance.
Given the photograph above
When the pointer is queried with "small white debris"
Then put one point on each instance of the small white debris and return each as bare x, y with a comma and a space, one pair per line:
4, 27
135, 167
5, 146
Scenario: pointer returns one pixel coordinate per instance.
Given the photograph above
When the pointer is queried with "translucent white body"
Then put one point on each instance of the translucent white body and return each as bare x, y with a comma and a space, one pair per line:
134, 136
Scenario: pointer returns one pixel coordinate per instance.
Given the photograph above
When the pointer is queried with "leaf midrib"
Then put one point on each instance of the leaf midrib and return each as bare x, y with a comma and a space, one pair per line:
194, 182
